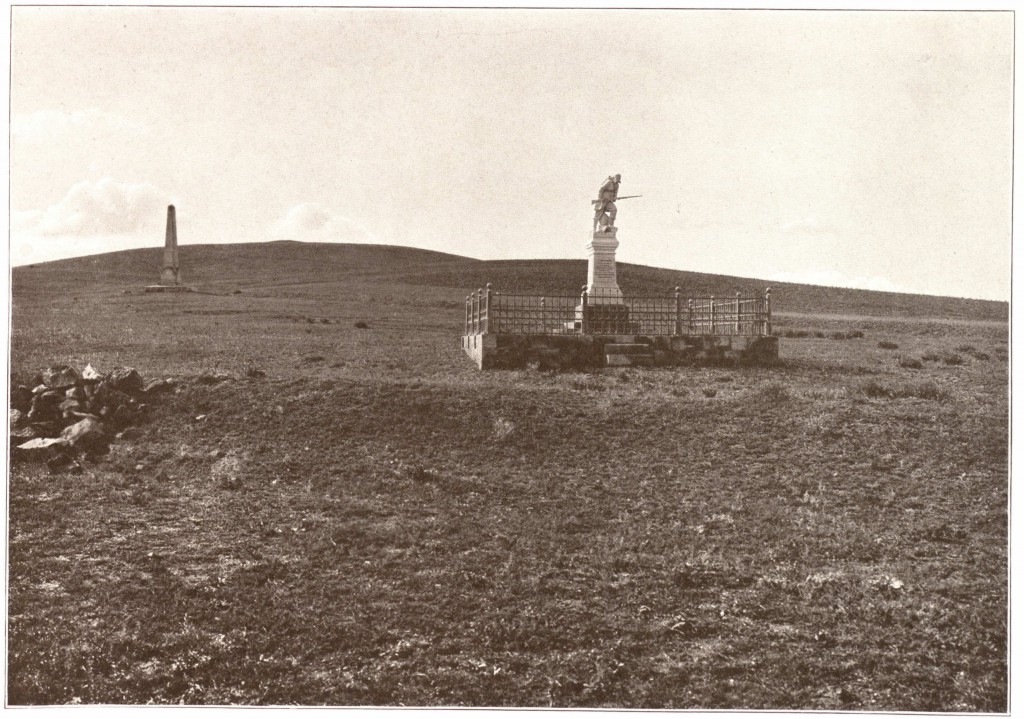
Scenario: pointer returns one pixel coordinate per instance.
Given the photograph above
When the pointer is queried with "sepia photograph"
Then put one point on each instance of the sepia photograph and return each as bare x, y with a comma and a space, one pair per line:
493, 358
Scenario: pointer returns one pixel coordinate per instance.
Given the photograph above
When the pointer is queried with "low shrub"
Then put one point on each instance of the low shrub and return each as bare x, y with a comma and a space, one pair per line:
850, 335
910, 363
931, 357
886, 345
709, 391
968, 349
774, 393
904, 390
360, 325
953, 359
253, 372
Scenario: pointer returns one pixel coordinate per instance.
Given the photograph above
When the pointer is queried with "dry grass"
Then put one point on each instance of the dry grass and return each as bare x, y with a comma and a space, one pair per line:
389, 526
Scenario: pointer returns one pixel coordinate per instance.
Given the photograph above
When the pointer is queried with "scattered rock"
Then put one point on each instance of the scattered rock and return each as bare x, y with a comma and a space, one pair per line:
124, 379
75, 392
87, 435
60, 376
77, 414
157, 385
46, 407
42, 448
132, 433
21, 398
61, 460
70, 406
23, 434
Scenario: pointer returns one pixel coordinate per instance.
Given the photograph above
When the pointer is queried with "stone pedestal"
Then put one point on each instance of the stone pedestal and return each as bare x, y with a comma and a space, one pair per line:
602, 285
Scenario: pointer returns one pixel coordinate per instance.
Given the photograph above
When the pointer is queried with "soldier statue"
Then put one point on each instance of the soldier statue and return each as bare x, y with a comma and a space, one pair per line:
604, 205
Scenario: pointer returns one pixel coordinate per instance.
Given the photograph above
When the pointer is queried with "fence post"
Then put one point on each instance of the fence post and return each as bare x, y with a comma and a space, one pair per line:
713, 315
584, 313
476, 312
678, 329
736, 329
543, 317
487, 309
768, 310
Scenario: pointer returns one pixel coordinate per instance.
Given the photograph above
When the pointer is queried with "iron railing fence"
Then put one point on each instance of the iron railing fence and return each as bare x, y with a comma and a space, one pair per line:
489, 311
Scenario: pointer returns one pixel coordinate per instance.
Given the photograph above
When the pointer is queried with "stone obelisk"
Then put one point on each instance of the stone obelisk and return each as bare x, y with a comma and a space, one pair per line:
171, 272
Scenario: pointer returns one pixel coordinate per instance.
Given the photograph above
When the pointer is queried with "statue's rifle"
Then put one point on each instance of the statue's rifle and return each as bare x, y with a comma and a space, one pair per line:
624, 197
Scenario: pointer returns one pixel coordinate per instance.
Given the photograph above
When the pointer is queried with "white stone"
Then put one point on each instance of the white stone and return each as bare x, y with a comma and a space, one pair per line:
602, 282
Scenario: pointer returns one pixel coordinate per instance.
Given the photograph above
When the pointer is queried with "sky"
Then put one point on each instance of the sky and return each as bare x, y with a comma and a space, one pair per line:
858, 149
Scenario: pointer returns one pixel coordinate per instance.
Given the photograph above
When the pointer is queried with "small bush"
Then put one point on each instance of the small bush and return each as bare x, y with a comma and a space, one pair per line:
886, 345
980, 356
709, 391
953, 359
851, 335
931, 357
910, 363
967, 349
796, 333
360, 325
774, 393
905, 390
313, 358
253, 372
819, 334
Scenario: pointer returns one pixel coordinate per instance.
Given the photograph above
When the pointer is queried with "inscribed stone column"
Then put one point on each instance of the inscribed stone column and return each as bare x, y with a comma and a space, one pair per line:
171, 273
602, 284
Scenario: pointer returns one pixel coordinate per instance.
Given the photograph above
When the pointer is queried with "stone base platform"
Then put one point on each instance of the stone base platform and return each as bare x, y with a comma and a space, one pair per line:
168, 288
500, 351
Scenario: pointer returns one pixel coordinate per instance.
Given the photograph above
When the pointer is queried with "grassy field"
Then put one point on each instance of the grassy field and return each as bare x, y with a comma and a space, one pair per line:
375, 522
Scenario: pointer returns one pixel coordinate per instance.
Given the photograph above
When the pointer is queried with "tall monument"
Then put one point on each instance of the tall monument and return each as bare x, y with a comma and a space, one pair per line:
602, 285
171, 272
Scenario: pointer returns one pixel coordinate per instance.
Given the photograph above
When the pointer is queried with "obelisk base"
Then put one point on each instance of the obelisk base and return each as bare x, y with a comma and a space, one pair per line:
170, 276
168, 288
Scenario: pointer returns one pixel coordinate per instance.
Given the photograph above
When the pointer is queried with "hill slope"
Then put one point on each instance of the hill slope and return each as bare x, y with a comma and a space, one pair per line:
294, 264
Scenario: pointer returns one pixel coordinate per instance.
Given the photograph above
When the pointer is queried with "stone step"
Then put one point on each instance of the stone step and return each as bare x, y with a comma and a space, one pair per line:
622, 348
617, 360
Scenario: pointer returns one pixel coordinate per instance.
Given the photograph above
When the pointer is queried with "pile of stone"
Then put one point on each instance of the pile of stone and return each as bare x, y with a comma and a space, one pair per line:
68, 415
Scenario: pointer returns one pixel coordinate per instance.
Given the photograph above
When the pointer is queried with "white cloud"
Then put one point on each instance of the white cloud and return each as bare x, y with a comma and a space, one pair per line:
310, 222
104, 207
